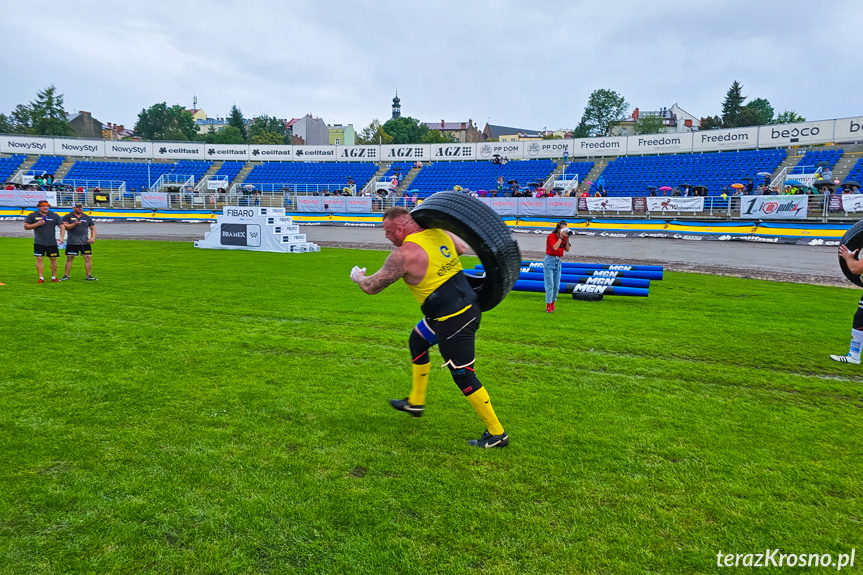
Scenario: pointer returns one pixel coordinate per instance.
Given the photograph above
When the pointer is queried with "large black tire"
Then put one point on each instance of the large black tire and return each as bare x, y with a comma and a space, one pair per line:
484, 231
853, 238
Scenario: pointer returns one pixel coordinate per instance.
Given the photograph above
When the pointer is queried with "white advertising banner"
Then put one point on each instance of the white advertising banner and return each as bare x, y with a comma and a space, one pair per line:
774, 207
310, 203
129, 149
848, 129
271, 153
359, 153
29, 198
155, 200
359, 204
71, 147
792, 134
847, 202
608, 204
562, 207
27, 145
334, 204
179, 150
532, 206
675, 143
8, 198
405, 152
674, 204
712, 140
583, 147
548, 149
508, 150
450, 152
315, 153
503, 206
805, 179
227, 152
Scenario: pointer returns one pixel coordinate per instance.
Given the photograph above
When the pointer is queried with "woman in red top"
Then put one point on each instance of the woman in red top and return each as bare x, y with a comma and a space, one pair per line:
556, 243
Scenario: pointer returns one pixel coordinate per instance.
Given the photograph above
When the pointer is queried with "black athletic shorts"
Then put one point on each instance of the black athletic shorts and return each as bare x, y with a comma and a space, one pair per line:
79, 250
456, 336
41, 251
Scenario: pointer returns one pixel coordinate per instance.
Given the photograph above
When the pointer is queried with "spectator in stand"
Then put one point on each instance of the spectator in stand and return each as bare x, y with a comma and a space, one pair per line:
500, 185
827, 173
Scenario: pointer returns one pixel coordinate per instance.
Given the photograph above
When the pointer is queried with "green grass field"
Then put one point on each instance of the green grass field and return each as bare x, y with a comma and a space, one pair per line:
225, 412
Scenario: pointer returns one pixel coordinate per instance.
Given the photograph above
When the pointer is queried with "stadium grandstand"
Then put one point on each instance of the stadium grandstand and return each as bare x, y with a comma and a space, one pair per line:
815, 159
229, 170
9, 165
717, 171
309, 177
481, 175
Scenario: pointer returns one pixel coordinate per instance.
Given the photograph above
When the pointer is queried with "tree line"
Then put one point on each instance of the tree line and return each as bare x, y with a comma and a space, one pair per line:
606, 108
45, 116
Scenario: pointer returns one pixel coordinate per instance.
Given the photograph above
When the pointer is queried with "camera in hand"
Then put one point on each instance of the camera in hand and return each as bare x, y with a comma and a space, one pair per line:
569, 232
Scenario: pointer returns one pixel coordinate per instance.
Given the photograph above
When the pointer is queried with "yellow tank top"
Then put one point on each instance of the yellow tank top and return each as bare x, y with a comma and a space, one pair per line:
443, 261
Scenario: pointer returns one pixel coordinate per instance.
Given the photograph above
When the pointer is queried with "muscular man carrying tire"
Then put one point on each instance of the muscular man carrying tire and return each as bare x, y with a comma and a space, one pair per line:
427, 260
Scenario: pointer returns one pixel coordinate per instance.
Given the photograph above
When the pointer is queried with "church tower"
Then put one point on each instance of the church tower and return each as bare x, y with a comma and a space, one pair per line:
397, 107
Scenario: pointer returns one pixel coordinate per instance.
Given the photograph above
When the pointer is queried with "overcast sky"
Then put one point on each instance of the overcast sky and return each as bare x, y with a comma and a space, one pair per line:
526, 64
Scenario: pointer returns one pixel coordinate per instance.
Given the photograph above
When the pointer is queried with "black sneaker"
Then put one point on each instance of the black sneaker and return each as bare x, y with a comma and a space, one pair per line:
64, 278
92, 279
403, 405
488, 440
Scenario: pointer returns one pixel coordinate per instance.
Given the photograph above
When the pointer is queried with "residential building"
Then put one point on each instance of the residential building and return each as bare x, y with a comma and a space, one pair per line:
342, 135
462, 131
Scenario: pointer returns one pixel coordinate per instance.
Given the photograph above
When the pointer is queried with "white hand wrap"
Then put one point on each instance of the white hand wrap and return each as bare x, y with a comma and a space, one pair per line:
357, 274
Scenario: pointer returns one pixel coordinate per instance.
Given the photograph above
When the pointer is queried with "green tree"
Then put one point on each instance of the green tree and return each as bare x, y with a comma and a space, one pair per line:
235, 119
373, 134
648, 124
732, 105
44, 116
49, 117
268, 130
710, 123
438, 137
582, 130
159, 122
6, 125
748, 117
604, 107
227, 135
552, 137
406, 130
763, 111
788, 117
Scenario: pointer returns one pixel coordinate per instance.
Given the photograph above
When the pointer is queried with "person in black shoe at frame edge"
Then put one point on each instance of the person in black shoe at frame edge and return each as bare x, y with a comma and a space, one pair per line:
427, 260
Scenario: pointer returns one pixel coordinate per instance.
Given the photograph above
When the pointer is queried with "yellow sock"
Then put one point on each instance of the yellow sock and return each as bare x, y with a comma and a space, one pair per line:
482, 405
418, 383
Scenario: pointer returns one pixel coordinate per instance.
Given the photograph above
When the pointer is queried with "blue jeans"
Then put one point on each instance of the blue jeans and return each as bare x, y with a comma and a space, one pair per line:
551, 271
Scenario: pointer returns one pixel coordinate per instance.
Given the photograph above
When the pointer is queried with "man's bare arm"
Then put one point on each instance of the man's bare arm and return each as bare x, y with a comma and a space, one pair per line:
393, 270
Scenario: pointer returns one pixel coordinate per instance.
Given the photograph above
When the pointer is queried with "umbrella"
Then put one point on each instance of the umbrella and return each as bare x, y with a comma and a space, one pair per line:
457, 188
700, 187
850, 184
764, 174
648, 188
836, 182
496, 155
685, 185
822, 164
512, 181
248, 187
665, 188
795, 183
818, 184
746, 179
738, 186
